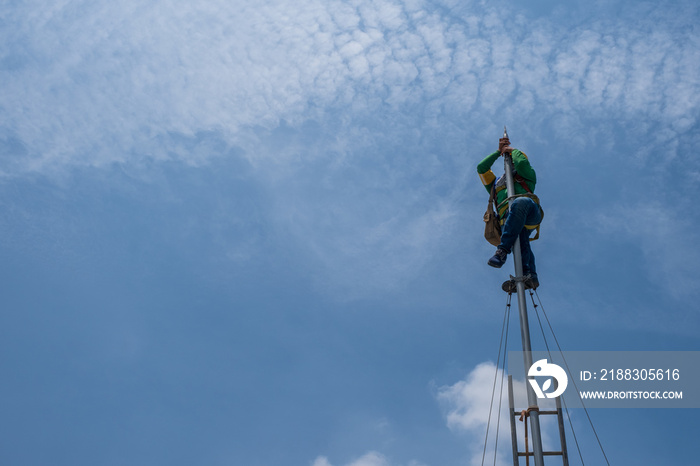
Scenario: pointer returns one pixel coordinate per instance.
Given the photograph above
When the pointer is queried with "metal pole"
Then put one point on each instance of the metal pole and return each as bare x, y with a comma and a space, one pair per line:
562, 434
511, 411
524, 325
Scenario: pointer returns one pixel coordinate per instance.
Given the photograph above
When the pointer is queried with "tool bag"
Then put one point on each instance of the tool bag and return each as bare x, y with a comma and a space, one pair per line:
492, 229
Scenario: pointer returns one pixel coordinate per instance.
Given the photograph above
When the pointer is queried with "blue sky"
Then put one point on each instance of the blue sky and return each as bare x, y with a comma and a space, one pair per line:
249, 233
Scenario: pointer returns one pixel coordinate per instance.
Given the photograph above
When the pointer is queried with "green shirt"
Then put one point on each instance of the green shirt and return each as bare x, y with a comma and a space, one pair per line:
522, 167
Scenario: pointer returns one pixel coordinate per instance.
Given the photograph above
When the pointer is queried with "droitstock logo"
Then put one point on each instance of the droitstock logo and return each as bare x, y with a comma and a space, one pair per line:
542, 368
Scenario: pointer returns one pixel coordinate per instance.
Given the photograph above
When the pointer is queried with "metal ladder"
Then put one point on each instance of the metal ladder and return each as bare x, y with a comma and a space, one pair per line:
524, 415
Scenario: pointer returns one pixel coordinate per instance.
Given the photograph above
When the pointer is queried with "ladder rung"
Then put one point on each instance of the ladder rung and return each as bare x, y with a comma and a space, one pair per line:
519, 413
544, 453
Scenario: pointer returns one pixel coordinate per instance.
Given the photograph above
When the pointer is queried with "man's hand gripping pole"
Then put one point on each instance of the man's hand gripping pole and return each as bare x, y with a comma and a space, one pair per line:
504, 143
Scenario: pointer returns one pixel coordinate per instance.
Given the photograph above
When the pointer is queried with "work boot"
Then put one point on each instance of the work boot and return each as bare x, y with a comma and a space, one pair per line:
499, 258
531, 283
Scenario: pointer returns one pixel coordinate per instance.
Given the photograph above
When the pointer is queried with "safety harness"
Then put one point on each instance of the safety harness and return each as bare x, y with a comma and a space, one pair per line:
500, 185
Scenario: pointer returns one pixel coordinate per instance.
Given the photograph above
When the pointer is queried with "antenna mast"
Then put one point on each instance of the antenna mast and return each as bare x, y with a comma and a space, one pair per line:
524, 325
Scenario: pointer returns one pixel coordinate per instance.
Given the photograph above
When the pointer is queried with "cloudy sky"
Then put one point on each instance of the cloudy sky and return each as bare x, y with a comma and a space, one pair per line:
249, 232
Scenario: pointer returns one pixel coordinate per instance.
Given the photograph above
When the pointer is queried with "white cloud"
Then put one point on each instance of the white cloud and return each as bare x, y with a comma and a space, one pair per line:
122, 82
126, 72
467, 404
321, 461
369, 459
468, 401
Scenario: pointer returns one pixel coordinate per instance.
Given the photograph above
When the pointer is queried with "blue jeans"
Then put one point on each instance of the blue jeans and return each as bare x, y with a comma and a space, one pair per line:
523, 211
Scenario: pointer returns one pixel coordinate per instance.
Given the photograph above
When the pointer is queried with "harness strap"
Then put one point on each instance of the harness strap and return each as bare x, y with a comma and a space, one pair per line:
510, 198
529, 227
521, 181
534, 227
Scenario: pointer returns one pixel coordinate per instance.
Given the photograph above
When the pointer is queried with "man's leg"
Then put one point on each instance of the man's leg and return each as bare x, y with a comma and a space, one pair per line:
528, 256
526, 252
529, 272
523, 210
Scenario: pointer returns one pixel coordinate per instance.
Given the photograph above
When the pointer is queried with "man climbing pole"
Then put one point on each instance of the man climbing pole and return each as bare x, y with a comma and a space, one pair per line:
524, 214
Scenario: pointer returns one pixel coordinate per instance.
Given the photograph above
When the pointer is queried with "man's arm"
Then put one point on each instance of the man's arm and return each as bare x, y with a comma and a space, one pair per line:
484, 170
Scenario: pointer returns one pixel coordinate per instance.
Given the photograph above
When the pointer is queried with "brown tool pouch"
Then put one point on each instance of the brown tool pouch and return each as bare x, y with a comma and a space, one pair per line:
492, 229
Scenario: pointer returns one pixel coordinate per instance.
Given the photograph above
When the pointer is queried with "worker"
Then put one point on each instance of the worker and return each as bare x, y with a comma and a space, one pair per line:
524, 214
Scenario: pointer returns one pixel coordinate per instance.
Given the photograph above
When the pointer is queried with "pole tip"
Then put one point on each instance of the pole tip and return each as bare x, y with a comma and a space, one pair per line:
505, 132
